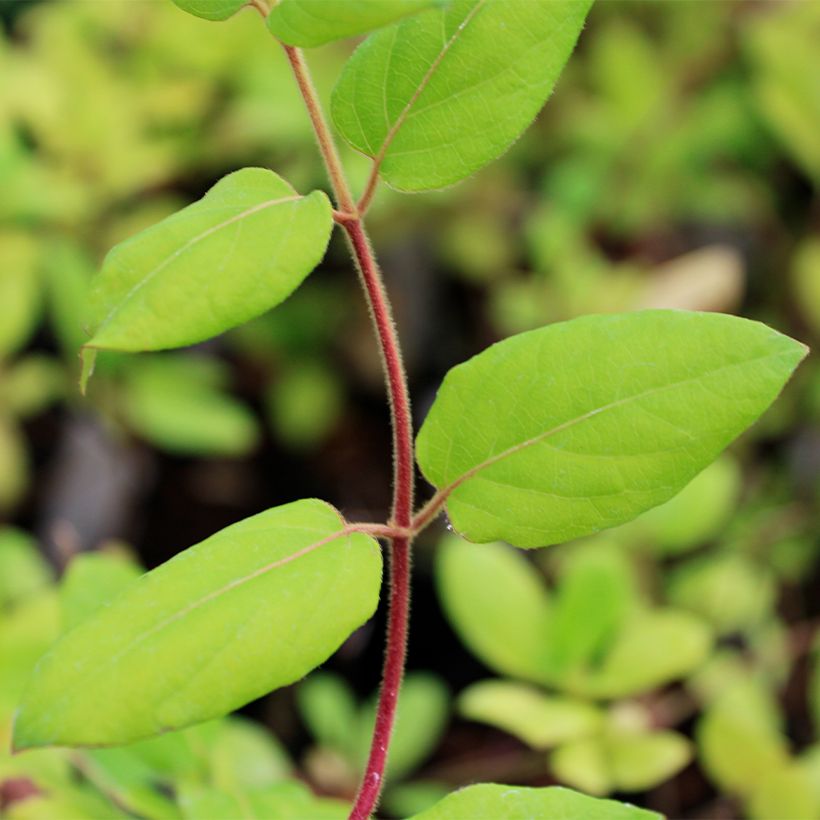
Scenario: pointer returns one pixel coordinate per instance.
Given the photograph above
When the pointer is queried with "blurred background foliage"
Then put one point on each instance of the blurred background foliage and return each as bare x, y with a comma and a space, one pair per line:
674, 660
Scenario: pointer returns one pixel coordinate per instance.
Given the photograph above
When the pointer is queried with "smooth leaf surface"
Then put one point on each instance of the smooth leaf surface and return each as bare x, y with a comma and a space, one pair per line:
330, 711
19, 291
582, 425
593, 600
91, 581
654, 648
176, 403
786, 792
626, 761
491, 801
540, 720
241, 249
250, 609
696, 514
310, 23
283, 801
216, 10
732, 591
498, 604
739, 738
23, 570
439, 95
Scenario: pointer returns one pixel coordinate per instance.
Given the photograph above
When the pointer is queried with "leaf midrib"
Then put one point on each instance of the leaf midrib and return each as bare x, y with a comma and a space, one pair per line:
193, 606
425, 81
516, 448
261, 206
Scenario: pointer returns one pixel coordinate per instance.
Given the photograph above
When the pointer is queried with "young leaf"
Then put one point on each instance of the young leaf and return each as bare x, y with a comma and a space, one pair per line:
497, 603
310, 23
282, 801
23, 570
175, 402
330, 711
250, 609
654, 648
19, 291
739, 738
621, 760
490, 801
421, 718
240, 250
582, 425
436, 97
539, 720
216, 10
593, 600
91, 581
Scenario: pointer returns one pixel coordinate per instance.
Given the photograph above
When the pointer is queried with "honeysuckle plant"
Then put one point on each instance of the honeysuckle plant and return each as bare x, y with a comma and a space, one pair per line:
547, 436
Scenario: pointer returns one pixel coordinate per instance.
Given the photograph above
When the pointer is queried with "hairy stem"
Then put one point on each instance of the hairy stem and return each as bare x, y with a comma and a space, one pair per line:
327, 146
349, 218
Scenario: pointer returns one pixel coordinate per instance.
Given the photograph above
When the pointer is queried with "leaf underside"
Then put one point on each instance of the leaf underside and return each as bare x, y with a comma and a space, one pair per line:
215, 10
582, 425
253, 608
309, 23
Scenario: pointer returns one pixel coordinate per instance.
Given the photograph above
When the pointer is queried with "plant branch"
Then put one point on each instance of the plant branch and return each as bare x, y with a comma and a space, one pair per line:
398, 530
327, 146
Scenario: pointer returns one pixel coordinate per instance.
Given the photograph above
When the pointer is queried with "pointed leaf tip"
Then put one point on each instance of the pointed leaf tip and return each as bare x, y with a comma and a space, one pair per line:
560, 432
88, 358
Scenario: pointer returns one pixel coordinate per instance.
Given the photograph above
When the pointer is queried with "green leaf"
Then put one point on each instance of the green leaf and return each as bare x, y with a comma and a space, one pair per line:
539, 720
406, 799
626, 761
123, 776
23, 570
739, 739
67, 271
283, 801
309, 23
641, 760
582, 425
304, 403
330, 711
71, 803
654, 648
594, 597
696, 514
19, 291
806, 282
240, 250
421, 718
439, 95
174, 401
730, 590
490, 801
496, 601
243, 755
29, 629
785, 792
32, 385
91, 581
216, 10
250, 609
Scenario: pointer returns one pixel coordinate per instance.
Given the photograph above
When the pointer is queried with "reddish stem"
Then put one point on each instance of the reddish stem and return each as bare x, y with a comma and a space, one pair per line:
399, 577
403, 473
